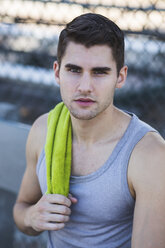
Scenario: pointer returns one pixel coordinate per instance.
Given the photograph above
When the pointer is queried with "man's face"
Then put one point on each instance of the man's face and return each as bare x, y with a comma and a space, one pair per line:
87, 79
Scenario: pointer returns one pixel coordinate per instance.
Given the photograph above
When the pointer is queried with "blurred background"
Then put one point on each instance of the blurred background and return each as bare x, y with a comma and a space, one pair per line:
29, 31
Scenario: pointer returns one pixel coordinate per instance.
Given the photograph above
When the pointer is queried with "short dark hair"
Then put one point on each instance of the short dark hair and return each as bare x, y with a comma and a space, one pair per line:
93, 29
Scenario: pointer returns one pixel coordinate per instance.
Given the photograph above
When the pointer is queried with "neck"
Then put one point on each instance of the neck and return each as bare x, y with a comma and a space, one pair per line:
99, 129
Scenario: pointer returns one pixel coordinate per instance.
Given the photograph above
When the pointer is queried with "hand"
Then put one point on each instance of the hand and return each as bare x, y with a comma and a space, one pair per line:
51, 212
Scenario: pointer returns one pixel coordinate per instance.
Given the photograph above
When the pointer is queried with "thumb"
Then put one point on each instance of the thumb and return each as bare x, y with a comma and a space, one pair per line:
72, 198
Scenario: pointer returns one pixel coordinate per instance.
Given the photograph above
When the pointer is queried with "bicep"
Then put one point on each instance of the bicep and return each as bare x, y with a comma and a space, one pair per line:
30, 189
149, 185
149, 219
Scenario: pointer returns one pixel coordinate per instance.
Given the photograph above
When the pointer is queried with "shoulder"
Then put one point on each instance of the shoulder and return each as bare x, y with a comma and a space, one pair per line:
149, 150
147, 162
40, 124
151, 142
37, 136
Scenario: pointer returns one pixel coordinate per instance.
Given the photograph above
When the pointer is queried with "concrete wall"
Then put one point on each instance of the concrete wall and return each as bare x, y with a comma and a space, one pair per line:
12, 165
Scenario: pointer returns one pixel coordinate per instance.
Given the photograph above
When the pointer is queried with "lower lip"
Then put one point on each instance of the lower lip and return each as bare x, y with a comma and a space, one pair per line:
85, 103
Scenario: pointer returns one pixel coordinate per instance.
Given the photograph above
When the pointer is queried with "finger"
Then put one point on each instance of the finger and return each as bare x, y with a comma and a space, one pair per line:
53, 218
59, 199
51, 226
59, 209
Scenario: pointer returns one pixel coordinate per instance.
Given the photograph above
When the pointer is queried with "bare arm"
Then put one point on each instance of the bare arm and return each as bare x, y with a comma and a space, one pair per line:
148, 179
34, 213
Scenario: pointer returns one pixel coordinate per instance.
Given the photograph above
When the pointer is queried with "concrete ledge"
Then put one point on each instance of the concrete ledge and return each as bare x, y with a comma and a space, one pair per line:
12, 153
13, 137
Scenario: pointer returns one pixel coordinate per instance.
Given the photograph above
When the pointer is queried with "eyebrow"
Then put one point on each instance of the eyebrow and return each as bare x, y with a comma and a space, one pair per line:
73, 66
98, 68
104, 68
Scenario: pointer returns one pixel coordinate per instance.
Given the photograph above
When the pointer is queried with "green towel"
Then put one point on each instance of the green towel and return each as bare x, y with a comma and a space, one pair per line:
58, 150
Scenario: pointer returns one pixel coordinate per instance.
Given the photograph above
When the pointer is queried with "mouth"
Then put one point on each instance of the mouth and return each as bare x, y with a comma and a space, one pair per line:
84, 102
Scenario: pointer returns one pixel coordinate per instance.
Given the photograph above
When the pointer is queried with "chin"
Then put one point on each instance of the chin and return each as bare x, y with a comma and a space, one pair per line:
83, 116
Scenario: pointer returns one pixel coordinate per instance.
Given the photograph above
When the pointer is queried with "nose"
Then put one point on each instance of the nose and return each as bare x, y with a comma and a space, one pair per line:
85, 83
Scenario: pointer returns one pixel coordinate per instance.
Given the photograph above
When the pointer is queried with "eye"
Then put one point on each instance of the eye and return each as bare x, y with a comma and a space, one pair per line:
74, 70
100, 72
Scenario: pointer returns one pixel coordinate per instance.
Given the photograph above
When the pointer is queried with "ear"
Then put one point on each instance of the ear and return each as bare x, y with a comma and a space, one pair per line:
56, 69
122, 77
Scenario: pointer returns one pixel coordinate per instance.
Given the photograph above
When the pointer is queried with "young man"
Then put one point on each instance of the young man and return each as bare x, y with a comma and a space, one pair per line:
117, 184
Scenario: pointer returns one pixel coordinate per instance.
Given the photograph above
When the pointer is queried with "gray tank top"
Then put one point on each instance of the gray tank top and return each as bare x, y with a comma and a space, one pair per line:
103, 216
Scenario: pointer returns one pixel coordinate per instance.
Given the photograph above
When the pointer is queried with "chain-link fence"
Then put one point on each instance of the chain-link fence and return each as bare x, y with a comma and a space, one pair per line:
29, 33
28, 40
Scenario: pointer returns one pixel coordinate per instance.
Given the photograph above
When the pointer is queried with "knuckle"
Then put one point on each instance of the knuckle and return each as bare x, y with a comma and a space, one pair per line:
63, 218
68, 202
55, 227
40, 226
64, 200
66, 218
44, 197
47, 197
62, 225
65, 210
69, 211
41, 208
43, 218
58, 226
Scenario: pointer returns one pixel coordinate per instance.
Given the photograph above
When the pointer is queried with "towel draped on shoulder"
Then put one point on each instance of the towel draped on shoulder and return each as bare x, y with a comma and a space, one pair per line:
58, 150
